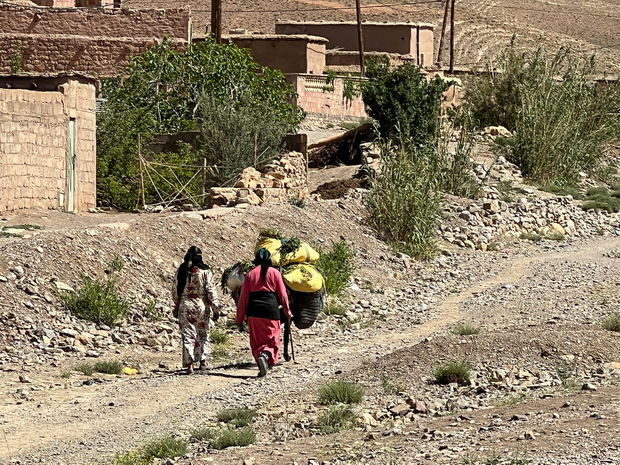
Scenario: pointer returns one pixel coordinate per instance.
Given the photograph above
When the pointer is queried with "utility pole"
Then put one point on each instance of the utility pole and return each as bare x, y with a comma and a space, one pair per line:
452, 38
216, 20
360, 36
444, 25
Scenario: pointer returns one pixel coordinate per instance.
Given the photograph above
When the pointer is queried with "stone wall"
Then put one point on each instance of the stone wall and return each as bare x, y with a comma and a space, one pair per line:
172, 23
101, 56
316, 95
282, 179
34, 142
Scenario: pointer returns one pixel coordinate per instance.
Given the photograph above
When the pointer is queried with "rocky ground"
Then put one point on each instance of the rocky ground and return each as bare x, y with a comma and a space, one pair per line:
545, 376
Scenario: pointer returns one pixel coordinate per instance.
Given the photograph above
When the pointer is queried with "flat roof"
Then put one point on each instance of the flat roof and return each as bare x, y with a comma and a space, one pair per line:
354, 23
306, 37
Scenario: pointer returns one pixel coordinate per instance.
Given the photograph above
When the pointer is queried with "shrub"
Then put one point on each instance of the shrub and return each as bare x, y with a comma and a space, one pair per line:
405, 199
335, 419
134, 457
223, 438
97, 301
334, 308
463, 329
85, 368
108, 367
560, 119
601, 198
237, 416
219, 337
403, 101
337, 266
165, 447
454, 371
612, 322
338, 391
528, 236
297, 202
563, 191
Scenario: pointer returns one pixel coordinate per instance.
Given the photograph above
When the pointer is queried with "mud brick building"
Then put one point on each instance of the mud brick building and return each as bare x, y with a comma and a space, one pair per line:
47, 142
95, 41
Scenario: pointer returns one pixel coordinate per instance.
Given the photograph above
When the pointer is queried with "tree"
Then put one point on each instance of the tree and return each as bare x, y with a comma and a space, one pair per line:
161, 92
403, 101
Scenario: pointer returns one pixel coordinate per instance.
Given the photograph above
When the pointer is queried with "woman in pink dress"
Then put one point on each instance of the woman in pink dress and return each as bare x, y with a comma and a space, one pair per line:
195, 296
262, 294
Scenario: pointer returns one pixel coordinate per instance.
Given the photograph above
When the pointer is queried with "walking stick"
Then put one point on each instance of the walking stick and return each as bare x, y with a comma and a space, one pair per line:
291, 339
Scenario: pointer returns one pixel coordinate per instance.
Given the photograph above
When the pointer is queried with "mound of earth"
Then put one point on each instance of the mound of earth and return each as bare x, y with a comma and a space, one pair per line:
339, 188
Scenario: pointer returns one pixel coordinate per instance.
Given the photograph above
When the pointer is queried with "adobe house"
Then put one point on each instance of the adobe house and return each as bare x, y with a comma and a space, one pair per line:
413, 39
94, 41
47, 142
288, 53
79, 3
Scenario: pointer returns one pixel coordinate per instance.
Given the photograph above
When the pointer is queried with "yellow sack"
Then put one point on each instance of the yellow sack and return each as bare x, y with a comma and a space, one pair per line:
304, 254
272, 245
303, 277
130, 371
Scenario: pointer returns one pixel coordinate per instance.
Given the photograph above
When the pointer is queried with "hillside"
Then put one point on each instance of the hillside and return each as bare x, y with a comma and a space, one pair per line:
483, 27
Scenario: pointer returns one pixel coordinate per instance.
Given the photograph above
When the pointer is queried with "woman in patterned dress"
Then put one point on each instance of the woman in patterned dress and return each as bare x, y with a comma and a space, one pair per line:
195, 295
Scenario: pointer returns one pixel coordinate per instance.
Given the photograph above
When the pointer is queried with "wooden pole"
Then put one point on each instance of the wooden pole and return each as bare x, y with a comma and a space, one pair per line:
141, 170
360, 35
444, 25
452, 38
216, 20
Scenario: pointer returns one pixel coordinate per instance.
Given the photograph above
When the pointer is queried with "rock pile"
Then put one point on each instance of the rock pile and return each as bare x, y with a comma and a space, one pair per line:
282, 179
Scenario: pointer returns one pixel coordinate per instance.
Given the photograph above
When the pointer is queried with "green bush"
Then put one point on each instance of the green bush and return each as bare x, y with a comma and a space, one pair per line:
403, 101
237, 416
463, 329
528, 236
109, 367
134, 457
97, 301
612, 322
86, 368
336, 418
223, 438
405, 199
337, 267
219, 337
454, 371
338, 391
563, 191
561, 120
601, 199
334, 308
165, 447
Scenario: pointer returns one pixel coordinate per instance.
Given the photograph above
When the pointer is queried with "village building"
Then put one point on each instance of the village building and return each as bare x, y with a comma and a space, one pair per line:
47, 142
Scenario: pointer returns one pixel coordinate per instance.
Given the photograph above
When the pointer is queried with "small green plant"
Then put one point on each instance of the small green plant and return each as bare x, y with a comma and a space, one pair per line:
117, 264
86, 368
109, 367
133, 457
26, 227
223, 438
512, 400
289, 246
220, 352
599, 198
337, 267
454, 371
334, 307
219, 337
351, 88
65, 374
528, 236
339, 391
612, 322
151, 311
336, 418
329, 81
563, 191
237, 416
297, 202
165, 447
556, 237
464, 329
203, 434
271, 233
505, 189
16, 58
